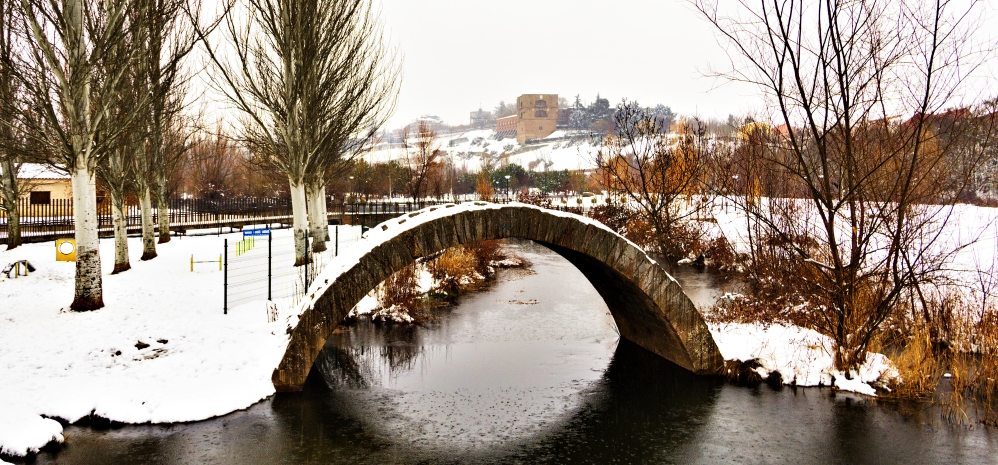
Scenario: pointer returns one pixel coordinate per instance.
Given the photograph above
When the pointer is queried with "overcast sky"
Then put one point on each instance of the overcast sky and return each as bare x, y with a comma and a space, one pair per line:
459, 54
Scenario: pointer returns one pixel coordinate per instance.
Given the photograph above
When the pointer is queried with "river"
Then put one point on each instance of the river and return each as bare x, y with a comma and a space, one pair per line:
531, 371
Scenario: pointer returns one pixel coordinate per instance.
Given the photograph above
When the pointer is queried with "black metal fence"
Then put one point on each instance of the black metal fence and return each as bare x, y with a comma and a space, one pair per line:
55, 218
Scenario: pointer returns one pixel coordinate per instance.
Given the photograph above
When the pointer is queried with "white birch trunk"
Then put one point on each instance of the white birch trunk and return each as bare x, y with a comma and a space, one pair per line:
88, 294
323, 213
318, 224
120, 220
163, 210
299, 221
148, 227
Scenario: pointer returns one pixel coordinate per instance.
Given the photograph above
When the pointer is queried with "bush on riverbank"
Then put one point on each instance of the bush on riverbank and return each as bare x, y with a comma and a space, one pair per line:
410, 295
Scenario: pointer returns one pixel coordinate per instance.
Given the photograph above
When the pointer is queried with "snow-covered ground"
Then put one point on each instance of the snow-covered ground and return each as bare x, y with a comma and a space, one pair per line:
970, 231
160, 351
559, 151
803, 357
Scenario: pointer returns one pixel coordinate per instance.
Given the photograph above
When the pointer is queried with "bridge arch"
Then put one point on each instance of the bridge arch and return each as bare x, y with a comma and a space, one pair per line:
647, 304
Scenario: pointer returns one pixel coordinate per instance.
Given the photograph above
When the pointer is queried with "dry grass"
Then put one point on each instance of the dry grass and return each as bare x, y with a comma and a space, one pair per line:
917, 364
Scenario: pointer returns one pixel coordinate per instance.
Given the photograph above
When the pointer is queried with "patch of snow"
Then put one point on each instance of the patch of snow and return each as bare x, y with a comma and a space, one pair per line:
802, 356
392, 313
41, 171
508, 262
23, 432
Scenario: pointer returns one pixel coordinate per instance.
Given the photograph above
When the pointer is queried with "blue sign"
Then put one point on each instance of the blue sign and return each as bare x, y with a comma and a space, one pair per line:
256, 232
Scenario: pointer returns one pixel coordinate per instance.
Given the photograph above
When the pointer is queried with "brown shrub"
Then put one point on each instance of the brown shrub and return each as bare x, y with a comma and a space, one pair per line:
613, 215
401, 289
485, 253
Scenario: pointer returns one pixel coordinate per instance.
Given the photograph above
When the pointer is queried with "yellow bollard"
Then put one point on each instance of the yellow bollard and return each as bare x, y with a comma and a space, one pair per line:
192, 263
219, 262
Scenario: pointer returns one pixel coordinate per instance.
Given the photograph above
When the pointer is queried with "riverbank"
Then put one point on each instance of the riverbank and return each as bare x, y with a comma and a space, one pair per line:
436, 282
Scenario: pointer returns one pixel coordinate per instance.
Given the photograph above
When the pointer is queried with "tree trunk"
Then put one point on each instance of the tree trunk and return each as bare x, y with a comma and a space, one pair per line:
318, 222
120, 220
89, 294
323, 213
10, 194
148, 227
13, 227
300, 221
163, 209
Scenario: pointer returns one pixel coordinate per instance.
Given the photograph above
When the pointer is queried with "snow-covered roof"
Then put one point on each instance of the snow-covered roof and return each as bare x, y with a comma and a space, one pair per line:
40, 171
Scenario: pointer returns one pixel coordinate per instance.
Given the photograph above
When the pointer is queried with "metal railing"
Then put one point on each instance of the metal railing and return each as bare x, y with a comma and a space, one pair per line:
55, 218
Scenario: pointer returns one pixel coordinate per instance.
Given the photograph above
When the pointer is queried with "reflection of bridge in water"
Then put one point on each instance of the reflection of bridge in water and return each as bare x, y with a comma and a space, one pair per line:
647, 304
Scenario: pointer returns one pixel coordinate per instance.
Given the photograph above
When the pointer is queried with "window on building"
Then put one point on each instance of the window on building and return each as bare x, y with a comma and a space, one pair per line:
540, 104
41, 197
540, 114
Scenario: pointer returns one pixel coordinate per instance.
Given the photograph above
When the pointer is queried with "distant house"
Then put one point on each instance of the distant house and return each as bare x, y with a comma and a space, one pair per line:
506, 126
43, 184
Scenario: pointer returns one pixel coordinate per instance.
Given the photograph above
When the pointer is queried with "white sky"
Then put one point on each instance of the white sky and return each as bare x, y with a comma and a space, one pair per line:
459, 54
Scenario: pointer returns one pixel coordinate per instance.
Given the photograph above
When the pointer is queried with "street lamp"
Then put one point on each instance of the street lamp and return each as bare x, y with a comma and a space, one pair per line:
507, 187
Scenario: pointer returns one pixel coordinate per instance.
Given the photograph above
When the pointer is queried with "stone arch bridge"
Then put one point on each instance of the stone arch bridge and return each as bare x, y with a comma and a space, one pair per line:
647, 304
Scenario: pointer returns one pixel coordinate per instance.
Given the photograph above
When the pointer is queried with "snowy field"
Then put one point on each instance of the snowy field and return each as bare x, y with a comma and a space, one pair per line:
193, 362
559, 151
971, 231
161, 350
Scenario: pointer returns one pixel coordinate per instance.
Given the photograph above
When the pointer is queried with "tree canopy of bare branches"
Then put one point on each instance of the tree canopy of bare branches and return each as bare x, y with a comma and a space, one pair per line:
68, 67
857, 88
307, 76
423, 157
660, 174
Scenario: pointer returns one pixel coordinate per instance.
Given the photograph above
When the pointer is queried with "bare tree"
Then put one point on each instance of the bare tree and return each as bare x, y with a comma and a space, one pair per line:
661, 176
295, 66
117, 171
168, 29
864, 235
11, 142
64, 46
422, 156
213, 163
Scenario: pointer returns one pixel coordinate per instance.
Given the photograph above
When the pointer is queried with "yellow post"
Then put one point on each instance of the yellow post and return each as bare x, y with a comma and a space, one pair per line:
192, 263
17, 269
219, 262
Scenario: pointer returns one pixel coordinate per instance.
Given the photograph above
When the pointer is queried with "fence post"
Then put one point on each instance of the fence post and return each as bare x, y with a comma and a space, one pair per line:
225, 278
270, 258
336, 248
308, 260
